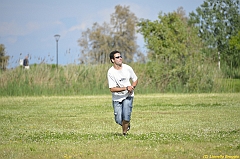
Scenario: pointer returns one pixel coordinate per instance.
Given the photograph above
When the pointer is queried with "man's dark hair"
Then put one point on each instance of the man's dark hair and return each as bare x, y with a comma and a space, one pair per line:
111, 55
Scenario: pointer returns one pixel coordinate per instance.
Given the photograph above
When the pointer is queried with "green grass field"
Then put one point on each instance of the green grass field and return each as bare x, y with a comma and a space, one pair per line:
177, 126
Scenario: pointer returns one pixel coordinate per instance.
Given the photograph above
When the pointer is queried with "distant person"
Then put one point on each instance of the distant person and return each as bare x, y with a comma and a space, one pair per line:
119, 76
26, 63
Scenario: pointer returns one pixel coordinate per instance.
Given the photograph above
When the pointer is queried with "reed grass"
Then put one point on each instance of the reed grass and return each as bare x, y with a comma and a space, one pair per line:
46, 79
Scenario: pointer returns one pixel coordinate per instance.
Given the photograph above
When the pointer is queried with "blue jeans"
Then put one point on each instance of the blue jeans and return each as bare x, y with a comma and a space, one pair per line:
123, 110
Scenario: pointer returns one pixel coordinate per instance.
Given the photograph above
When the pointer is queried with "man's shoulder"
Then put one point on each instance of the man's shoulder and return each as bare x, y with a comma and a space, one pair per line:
126, 66
110, 69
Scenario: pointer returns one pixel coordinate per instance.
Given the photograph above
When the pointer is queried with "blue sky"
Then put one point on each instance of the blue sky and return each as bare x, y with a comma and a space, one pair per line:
28, 27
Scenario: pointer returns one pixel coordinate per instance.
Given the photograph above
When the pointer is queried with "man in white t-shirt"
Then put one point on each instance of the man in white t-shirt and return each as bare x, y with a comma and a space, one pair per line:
119, 76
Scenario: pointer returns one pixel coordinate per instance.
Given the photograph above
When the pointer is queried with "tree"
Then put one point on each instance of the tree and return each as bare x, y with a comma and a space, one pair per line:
174, 49
235, 42
169, 37
96, 44
218, 21
3, 58
99, 41
124, 24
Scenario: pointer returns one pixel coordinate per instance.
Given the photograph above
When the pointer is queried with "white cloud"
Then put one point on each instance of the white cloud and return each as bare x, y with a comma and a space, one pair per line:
78, 27
12, 40
10, 28
32, 26
16, 29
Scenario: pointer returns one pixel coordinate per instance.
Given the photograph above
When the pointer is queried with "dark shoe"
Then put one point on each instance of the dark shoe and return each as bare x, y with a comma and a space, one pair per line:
128, 127
124, 134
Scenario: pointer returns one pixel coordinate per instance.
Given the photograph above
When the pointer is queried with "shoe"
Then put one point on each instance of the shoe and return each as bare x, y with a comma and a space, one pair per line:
128, 127
124, 134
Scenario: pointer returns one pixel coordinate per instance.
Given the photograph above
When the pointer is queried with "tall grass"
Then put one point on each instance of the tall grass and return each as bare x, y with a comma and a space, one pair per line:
46, 79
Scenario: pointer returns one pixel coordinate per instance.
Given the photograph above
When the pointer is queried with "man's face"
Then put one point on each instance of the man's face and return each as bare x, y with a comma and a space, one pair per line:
117, 59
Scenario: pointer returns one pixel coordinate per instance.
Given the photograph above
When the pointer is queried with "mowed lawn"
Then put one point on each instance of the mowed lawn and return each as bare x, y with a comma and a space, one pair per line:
177, 126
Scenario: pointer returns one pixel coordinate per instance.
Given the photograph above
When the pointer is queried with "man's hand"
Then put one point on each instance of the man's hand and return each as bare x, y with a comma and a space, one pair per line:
130, 89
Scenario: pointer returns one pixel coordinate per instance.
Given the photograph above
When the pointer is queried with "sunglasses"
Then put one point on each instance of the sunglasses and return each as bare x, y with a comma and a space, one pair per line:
117, 57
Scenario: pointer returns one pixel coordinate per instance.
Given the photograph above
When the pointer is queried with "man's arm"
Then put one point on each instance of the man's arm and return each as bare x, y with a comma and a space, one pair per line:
129, 88
134, 84
118, 89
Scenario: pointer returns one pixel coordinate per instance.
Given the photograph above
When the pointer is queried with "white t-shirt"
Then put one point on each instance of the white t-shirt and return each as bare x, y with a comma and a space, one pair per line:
121, 78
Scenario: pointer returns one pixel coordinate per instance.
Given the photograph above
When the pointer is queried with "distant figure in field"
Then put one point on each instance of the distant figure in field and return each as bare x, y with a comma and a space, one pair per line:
26, 63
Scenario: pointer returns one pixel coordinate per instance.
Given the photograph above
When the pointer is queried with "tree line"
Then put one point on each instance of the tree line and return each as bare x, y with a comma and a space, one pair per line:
120, 34
176, 42
3, 58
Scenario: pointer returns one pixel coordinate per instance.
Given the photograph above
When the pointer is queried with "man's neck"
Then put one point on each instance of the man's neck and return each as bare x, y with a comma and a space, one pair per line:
117, 67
